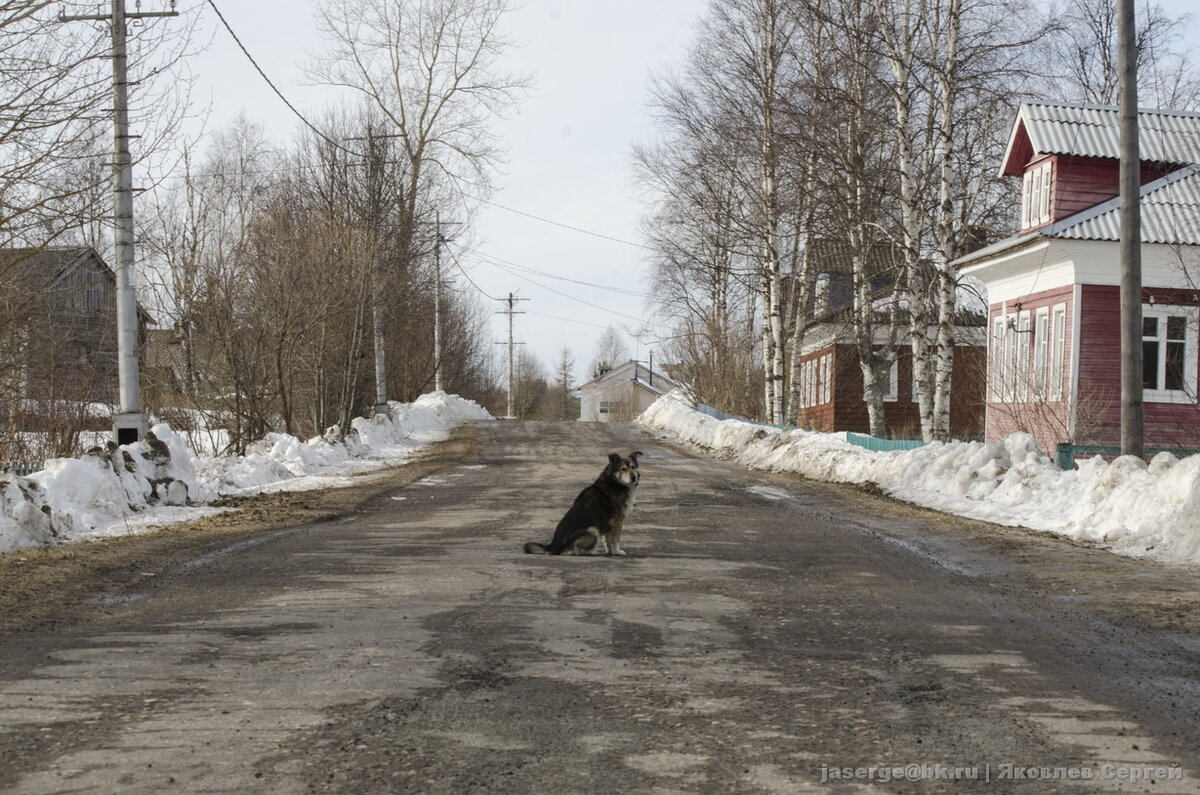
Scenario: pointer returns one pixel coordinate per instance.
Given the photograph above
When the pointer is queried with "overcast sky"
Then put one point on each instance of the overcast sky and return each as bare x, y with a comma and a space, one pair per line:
568, 147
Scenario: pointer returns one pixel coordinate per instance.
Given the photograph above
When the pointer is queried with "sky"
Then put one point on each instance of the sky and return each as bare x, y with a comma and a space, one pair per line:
568, 148
568, 159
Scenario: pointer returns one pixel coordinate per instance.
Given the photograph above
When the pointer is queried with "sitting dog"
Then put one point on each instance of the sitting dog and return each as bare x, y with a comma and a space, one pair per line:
597, 514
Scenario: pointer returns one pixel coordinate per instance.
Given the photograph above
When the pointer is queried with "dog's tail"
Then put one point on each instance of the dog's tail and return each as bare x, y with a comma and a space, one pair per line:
534, 548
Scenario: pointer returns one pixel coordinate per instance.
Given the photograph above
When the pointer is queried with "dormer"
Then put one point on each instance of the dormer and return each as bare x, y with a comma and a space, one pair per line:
1068, 155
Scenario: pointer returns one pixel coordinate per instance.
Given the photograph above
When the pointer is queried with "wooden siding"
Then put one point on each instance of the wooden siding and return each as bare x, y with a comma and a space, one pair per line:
1047, 421
848, 412
1077, 183
1166, 424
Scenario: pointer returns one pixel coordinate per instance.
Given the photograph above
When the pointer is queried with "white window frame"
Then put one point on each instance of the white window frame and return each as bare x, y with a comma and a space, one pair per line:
891, 392
1035, 195
1021, 388
1187, 394
1041, 353
826, 377
997, 381
1058, 350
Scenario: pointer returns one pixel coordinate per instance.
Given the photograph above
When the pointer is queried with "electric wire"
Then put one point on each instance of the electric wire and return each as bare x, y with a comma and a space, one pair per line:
455, 188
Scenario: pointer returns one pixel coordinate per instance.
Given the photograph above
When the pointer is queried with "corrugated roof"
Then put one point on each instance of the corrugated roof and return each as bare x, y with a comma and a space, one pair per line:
1166, 136
1170, 216
1170, 213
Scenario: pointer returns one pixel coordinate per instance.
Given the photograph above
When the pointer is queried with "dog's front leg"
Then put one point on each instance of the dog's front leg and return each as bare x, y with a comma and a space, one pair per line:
613, 539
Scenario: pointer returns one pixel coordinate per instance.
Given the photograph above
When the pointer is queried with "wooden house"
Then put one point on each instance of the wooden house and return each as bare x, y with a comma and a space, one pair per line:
831, 385
831, 381
1053, 289
58, 331
622, 393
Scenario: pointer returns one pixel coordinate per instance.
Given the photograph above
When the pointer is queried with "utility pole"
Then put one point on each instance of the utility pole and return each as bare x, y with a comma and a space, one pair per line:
439, 239
510, 311
1132, 413
131, 423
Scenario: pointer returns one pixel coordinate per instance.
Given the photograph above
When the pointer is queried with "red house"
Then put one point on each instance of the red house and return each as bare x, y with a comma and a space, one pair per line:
831, 385
1053, 289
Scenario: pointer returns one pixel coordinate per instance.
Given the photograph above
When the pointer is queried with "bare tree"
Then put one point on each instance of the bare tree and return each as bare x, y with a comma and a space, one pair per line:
611, 350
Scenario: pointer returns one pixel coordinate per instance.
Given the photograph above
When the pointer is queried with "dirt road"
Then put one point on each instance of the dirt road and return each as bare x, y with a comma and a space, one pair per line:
764, 635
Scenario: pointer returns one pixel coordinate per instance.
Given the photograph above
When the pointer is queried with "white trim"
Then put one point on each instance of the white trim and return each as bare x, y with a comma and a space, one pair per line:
1076, 333
1178, 396
1058, 353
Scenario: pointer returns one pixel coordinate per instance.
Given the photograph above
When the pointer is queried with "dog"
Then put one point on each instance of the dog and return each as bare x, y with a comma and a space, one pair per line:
598, 513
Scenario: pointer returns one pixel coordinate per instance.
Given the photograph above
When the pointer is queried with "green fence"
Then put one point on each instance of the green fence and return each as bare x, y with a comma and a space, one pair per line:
883, 445
1064, 454
22, 468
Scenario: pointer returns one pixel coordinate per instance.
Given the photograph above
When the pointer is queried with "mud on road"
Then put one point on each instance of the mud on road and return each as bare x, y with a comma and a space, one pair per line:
766, 634
41, 589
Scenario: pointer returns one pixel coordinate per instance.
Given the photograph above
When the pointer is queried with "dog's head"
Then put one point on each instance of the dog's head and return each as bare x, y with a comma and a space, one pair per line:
624, 470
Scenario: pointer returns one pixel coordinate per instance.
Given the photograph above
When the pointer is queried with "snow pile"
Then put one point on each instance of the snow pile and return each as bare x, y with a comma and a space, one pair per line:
1133, 508
118, 490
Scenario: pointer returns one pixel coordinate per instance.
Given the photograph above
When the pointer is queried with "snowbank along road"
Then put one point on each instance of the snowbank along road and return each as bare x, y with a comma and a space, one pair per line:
764, 635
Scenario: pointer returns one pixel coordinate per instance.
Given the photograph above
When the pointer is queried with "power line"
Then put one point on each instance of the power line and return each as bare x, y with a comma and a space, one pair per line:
274, 88
622, 290
559, 292
468, 277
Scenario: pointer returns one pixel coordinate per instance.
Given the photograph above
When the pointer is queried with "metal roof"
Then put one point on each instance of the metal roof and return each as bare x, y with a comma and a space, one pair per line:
1170, 213
1170, 216
1166, 136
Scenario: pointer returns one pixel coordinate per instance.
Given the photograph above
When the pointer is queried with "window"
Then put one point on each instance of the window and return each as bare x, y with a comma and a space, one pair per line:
605, 405
1169, 354
1058, 352
1041, 353
1035, 196
816, 376
826, 377
891, 386
997, 384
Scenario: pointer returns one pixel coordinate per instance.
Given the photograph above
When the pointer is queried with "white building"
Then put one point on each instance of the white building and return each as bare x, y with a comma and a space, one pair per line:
622, 393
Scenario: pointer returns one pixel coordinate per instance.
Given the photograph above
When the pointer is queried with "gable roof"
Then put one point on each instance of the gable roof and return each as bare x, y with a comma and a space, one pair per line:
39, 269
1042, 128
635, 371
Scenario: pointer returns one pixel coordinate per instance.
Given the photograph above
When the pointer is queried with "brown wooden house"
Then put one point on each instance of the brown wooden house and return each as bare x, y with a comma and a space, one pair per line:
831, 385
58, 331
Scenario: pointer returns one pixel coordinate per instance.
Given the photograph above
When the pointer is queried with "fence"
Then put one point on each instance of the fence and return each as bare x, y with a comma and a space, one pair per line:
22, 468
879, 445
1064, 453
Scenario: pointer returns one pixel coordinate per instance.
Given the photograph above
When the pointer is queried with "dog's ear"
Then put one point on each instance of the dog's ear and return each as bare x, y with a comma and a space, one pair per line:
634, 456
614, 459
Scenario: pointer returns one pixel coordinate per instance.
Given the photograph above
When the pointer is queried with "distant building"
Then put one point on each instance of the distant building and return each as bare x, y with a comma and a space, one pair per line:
58, 332
1053, 289
622, 393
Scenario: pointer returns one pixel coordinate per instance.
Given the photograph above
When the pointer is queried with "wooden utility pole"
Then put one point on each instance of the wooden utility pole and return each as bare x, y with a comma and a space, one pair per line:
510, 301
131, 423
1132, 415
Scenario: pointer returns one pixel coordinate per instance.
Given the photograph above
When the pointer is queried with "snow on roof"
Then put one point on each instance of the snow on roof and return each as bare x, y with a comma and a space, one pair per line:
1166, 136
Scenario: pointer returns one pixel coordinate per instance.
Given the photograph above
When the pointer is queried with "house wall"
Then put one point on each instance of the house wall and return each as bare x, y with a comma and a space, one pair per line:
1166, 424
1078, 183
846, 411
626, 398
1048, 421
